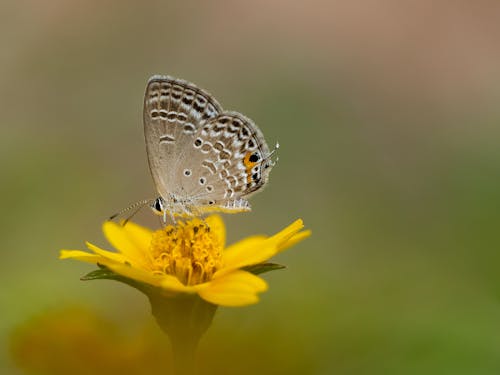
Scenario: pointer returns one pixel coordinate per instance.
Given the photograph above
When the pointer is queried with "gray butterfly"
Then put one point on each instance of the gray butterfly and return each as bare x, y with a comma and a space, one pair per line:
201, 157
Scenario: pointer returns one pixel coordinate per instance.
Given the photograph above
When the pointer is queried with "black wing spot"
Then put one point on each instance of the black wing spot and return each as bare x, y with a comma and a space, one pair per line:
254, 158
187, 100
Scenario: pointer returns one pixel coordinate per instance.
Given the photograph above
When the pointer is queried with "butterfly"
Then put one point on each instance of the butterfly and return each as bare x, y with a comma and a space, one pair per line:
202, 158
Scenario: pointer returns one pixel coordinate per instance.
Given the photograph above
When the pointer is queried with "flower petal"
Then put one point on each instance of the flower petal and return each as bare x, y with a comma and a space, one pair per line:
167, 282
280, 238
139, 235
172, 283
238, 288
131, 239
257, 249
117, 257
217, 227
79, 255
135, 274
88, 257
252, 250
251, 242
296, 238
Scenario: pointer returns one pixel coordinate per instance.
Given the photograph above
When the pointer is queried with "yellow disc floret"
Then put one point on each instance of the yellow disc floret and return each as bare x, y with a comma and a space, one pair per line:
189, 251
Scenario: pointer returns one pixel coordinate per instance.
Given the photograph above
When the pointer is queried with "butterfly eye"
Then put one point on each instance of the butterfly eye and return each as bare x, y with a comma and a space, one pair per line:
157, 205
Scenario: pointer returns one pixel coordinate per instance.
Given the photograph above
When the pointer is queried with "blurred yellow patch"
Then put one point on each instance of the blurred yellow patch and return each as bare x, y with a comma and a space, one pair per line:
76, 341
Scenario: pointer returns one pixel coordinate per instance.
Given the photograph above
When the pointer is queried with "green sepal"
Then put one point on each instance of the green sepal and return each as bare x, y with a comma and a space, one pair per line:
104, 273
257, 269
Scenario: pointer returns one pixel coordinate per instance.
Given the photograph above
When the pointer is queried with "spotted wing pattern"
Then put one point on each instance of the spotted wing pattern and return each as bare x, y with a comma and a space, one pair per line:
173, 111
232, 162
199, 155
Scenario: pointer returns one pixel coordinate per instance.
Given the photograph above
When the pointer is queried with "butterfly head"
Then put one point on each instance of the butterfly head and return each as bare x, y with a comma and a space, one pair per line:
159, 206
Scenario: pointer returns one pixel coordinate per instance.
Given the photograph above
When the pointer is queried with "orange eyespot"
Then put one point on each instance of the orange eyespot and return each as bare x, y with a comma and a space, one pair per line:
250, 160
246, 160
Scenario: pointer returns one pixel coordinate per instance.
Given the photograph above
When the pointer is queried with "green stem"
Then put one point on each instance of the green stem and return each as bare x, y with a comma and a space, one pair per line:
184, 355
184, 319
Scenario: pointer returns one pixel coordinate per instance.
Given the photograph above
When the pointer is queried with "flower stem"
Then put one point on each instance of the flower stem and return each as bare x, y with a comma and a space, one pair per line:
184, 355
184, 319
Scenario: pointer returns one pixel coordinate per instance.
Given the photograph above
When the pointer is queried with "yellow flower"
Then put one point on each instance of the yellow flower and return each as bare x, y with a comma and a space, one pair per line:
190, 258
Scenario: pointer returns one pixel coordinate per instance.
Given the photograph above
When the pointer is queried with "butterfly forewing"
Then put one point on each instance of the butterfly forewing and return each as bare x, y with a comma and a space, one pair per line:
173, 111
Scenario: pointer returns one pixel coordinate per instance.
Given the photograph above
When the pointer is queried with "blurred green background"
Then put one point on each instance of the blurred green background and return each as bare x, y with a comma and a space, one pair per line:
388, 119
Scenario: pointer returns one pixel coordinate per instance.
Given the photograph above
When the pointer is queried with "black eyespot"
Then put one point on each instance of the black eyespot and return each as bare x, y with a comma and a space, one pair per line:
197, 142
254, 158
209, 188
211, 202
187, 172
202, 180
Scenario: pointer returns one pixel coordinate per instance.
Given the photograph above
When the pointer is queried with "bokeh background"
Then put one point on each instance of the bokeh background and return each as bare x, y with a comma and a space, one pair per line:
388, 119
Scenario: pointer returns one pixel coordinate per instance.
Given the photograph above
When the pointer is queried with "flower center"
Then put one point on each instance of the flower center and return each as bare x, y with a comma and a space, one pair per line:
188, 250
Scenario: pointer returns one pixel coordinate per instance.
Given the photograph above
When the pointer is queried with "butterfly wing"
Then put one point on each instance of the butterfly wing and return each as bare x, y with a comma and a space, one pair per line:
231, 161
174, 110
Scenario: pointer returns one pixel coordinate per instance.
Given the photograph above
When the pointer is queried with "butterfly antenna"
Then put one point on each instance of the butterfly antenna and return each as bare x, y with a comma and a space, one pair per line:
135, 206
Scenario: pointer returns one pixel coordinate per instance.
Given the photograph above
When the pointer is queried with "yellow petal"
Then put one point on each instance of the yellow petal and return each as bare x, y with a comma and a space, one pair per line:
238, 288
172, 283
284, 235
252, 250
117, 257
252, 241
79, 255
296, 238
257, 249
168, 282
217, 227
131, 240
139, 235
136, 274
87, 257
